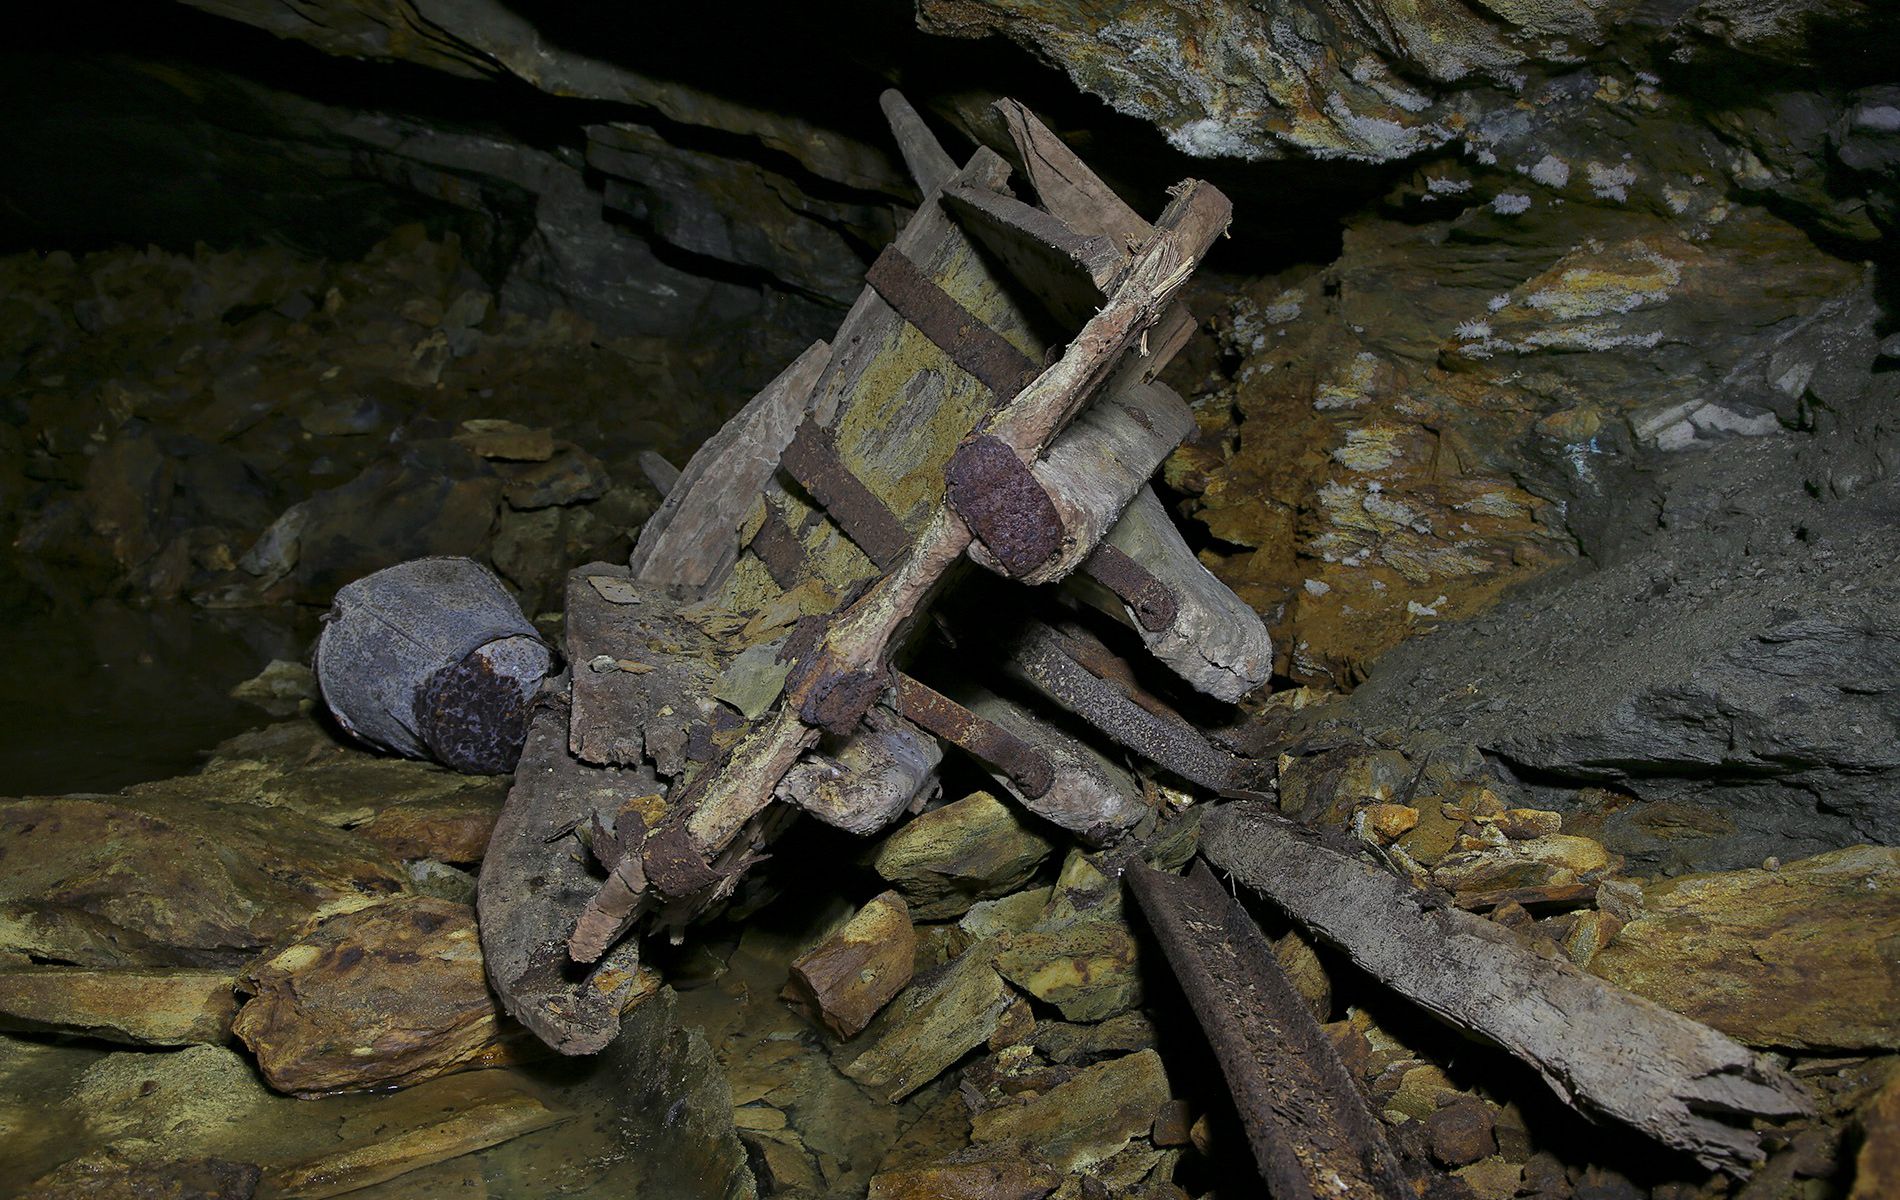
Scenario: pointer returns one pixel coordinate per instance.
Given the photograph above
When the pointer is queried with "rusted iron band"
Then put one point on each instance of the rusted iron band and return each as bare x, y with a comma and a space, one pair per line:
674, 863
779, 549
1003, 504
839, 700
952, 328
813, 460
1153, 602
1026, 767
1312, 1132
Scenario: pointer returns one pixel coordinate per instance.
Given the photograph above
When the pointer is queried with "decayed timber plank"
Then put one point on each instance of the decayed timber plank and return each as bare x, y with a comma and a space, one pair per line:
1065, 184
1077, 197
1601, 1049
1216, 642
1066, 269
643, 677
693, 539
930, 166
872, 778
1314, 1136
1089, 796
723, 800
534, 878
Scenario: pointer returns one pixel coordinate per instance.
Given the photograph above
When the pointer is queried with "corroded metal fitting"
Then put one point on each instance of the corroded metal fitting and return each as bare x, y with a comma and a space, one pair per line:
433, 659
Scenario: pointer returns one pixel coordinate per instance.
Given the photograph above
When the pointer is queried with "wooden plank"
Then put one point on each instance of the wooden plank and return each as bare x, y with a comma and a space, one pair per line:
1078, 198
1216, 643
643, 677
964, 340
692, 540
535, 877
1602, 1050
1065, 184
1049, 660
1091, 797
722, 801
929, 164
874, 776
1312, 1131
1067, 270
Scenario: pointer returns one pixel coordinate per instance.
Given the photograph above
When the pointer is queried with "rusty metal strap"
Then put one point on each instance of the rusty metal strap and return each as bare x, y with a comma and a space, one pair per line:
1312, 1131
779, 549
813, 460
1003, 504
1150, 599
952, 328
1027, 767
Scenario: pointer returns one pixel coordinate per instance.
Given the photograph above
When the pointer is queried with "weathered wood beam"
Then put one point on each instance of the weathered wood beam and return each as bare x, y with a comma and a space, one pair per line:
929, 164
692, 540
875, 775
1067, 270
859, 640
1601, 1049
1076, 196
1057, 664
1088, 795
1313, 1134
1215, 642
534, 877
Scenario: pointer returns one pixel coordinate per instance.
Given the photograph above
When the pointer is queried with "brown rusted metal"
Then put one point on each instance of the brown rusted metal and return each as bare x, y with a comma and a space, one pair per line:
837, 701
1047, 660
953, 329
930, 709
1312, 1131
813, 460
778, 549
675, 866
1151, 600
1003, 504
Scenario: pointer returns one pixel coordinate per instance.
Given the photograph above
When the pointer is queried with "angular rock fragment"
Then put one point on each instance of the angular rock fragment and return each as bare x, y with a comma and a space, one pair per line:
1539, 862
477, 1127
156, 880
1800, 956
1086, 1120
1088, 968
452, 830
111, 1174
175, 1006
384, 997
936, 1022
1079, 1045
845, 979
507, 440
1002, 1180
1877, 1167
951, 857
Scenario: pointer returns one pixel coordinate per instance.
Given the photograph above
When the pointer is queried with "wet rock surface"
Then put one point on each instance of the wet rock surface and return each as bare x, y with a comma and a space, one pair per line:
382, 997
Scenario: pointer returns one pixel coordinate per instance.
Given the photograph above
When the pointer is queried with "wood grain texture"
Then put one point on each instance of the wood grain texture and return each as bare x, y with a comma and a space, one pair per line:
1602, 1050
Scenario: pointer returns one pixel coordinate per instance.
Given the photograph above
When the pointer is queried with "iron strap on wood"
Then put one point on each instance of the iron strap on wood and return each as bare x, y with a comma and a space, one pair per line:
931, 710
952, 328
813, 460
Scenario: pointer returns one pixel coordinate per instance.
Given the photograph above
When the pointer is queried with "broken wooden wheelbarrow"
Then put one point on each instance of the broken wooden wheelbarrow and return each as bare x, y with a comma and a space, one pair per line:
990, 398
